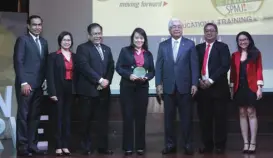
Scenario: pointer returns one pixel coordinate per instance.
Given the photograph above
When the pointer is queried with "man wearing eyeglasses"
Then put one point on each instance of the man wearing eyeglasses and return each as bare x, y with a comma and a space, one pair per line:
95, 69
213, 93
176, 79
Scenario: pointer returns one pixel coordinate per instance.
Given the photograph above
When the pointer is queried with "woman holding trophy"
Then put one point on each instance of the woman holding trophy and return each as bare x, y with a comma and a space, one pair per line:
136, 67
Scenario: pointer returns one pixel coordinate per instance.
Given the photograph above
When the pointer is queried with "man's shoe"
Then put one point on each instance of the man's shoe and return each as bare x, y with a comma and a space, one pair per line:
169, 150
128, 153
37, 151
87, 152
24, 153
205, 150
105, 151
220, 151
140, 152
188, 150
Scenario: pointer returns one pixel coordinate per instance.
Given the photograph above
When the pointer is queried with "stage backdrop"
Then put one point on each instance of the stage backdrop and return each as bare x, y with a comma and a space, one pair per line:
12, 25
120, 17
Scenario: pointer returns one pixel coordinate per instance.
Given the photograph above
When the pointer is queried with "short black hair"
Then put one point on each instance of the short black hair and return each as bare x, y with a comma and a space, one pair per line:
33, 17
211, 24
61, 36
142, 33
91, 26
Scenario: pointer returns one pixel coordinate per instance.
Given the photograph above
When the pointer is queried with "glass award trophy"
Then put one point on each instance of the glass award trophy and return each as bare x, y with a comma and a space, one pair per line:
139, 72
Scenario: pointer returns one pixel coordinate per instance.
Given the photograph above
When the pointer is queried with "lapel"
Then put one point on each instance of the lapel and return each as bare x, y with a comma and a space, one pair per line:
104, 53
60, 62
31, 40
73, 58
203, 50
170, 50
132, 57
213, 50
238, 62
42, 47
96, 52
181, 49
146, 59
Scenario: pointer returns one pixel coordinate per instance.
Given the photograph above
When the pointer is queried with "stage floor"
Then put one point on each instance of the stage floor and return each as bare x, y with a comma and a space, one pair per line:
155, 144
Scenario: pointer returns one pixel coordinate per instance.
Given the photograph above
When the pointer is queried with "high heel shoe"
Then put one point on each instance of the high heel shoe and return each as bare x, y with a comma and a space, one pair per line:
66, 152
246, 150
140, 152
128, 153
252, 151
60, 153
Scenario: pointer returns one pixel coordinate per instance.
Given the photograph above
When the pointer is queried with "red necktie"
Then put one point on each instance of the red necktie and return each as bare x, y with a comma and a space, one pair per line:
205, 60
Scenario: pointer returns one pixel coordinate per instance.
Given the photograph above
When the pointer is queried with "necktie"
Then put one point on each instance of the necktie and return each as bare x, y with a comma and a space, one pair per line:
205, 60
175, 50
38, 45
100, 51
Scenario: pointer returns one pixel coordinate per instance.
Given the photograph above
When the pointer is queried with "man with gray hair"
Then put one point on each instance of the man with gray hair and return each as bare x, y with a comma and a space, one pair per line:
177, 71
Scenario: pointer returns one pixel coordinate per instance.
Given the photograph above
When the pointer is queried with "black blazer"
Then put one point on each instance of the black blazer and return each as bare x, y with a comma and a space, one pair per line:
91, 68
126, 64
218, 66
29, 65
56, 74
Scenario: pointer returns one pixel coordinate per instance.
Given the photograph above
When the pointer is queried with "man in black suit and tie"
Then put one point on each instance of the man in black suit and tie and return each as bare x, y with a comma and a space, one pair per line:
30, 55
95, 66
213, 95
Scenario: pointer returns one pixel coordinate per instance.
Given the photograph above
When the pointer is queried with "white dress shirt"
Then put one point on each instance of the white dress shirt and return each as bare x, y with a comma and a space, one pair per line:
178, 44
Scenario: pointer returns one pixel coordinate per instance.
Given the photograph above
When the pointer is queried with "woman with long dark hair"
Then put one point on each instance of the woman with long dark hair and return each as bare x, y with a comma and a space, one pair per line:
134, 90
246, 82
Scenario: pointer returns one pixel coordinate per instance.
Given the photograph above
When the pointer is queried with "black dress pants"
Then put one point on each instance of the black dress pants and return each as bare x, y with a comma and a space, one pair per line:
134, 102
62, 115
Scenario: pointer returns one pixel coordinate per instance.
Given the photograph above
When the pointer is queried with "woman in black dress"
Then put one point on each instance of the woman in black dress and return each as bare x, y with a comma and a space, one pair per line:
246, 84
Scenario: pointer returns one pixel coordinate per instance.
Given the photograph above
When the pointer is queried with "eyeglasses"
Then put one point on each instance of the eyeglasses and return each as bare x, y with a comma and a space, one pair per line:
176, 27
66, 40
211, 31
96, 34
243, 40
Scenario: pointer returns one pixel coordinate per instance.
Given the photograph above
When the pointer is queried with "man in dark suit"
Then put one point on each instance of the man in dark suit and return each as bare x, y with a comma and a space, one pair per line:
177, 70
95, 65
213, 94
30, 55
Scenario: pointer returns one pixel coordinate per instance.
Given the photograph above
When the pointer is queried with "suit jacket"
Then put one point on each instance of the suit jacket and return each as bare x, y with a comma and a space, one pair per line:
126, 64
91, 68
218, 67
254, 72
29, 65
56, 74
183, 73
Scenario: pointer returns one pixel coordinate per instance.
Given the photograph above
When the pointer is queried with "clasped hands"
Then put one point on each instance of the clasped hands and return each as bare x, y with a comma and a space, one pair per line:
103, 84
204, 84
135, 78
